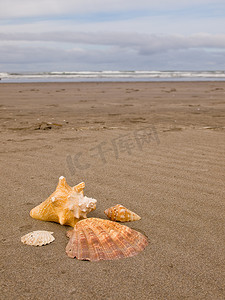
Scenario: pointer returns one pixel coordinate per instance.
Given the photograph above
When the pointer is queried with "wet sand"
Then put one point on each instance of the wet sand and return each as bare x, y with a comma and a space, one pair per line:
157, 148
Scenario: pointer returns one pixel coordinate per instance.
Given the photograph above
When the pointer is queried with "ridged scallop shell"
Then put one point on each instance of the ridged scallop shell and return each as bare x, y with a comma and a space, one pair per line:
121, 214
96, 239
38, 238
66, 205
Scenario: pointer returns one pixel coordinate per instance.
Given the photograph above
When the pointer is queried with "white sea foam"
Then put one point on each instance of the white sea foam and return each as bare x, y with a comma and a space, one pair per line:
112, 76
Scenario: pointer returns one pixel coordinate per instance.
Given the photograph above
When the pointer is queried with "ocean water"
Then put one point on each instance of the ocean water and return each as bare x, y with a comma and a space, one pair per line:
79, 76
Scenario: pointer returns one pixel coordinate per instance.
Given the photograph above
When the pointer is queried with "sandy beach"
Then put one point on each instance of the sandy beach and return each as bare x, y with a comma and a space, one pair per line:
157, 148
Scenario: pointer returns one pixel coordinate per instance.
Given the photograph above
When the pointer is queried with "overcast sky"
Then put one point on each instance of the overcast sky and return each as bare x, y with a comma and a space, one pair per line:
70, 35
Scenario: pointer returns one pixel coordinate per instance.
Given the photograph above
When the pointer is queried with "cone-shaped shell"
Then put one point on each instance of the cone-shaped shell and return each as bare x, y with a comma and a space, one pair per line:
66, 205
121, 214
38, 238
96, 239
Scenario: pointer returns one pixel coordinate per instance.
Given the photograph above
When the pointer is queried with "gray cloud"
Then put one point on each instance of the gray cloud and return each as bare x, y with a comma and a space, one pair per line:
144, 44
23, 58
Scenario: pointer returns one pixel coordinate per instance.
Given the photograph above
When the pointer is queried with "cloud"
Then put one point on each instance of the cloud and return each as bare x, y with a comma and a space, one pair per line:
150, 17
14, 54
143, 43
129, 56
27, 8
21, 58
99, 34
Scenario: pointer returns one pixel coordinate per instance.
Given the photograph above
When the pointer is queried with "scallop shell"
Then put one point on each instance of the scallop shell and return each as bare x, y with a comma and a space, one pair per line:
66, 205
96, 239
121, 213
38, 238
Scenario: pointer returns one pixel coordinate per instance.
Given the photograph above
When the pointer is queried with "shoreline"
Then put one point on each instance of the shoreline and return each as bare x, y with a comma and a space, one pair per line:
117, 81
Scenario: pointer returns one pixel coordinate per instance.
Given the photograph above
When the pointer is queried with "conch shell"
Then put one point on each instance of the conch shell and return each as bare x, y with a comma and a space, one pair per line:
96, 239
66, 205
38, 238
121, 213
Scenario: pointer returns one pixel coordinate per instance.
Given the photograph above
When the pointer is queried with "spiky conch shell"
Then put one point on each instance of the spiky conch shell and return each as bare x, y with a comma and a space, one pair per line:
95, 239
121, 214
38, 238
66, 205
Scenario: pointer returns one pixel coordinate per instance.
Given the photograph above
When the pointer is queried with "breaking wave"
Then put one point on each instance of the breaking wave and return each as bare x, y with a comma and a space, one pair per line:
113, 76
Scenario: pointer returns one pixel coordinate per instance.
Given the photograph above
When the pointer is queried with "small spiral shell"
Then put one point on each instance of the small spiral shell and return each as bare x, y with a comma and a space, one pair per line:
121, 214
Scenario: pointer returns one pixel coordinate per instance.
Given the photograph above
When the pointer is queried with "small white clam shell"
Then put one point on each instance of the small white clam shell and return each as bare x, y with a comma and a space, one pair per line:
38, 238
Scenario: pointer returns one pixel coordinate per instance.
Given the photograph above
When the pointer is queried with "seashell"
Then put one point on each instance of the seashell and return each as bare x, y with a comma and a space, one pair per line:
96, 239
121, 213
38, 238
65, 206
